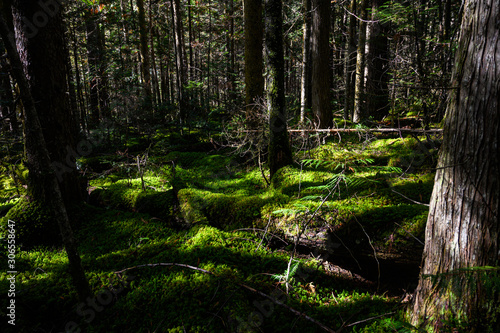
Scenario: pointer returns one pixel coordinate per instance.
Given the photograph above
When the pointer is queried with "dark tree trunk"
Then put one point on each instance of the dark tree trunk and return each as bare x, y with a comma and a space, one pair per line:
306, 79
7, 102
145, 64
180, 60
99, 96
377, 86
350, 64
43, 54
230, 79
254, 79
462, 232
79, 94
320, 58
279, 147
37, 154
154, 79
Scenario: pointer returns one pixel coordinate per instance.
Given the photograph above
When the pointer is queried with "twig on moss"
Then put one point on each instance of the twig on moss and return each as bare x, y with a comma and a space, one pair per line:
265, 232
165, 264
371, 318
296, 312
272, 299
409, 233
404, 196
257, 229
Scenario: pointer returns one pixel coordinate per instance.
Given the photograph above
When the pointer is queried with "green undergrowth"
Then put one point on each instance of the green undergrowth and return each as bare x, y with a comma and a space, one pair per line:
196, 208
173, 298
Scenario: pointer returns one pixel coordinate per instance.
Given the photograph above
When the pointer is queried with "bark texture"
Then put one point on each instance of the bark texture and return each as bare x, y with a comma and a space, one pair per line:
40, 39
359, 101
37, 155
320, 57
305, 81
254, 79
145, 64
279, 147
463, 228
350, 64
99, 96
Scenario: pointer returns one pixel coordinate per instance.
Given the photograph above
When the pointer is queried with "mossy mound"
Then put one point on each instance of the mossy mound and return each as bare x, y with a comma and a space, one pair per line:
224, 210
161, 205
34, 224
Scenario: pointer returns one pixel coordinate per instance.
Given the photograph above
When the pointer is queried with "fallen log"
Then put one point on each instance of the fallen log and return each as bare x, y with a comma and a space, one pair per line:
361, 130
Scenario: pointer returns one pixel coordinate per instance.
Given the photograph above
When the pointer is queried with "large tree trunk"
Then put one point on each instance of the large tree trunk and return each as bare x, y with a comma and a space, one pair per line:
462, 232
44, 57
254, 79
279, 147
38, 158
320, 58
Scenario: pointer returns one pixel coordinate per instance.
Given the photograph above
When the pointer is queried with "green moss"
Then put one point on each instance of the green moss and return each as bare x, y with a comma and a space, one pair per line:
34, 224
128, 194
224, 210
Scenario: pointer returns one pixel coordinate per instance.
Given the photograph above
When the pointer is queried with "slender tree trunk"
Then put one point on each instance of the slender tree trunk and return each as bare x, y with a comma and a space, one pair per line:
154, 77
254, 78
99, 96
190, 42
230, 79
320, 58
180, 60
359, 100
377, 81
37, 155
93, 66
306, 78
145, 65
463, 229
79, 94
350, 64
279, 148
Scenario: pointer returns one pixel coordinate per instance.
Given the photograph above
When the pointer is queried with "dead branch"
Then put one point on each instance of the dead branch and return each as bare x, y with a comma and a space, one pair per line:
296, 312
165, 264
272, 299
356, 130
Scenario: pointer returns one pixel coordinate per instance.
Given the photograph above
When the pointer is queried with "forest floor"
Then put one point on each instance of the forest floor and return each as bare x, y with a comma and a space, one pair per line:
180, 235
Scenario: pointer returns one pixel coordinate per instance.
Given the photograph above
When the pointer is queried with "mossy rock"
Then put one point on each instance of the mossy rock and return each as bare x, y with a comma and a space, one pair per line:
34, 224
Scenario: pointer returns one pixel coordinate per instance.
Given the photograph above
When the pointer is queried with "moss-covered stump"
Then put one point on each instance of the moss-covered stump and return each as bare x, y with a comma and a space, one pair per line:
34, 224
